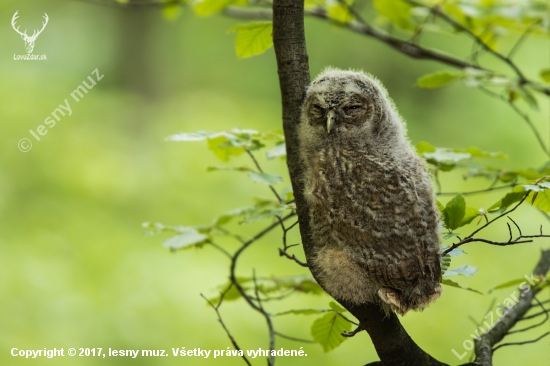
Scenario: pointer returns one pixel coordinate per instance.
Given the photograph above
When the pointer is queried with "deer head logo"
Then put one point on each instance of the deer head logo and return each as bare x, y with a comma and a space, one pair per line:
29, 40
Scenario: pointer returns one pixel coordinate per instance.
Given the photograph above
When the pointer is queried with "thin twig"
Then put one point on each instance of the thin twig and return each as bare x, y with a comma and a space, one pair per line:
437, 11
293, 338
498, 217
267, 316
476, 192
520, 343
518, 240
535, 325
216, 309
239, 238
348, 320
267, 298
261, 171
233, 278
540, 303
517, 226
524, 116
219, 248
485, 344
544, 312
283, 253
522, 38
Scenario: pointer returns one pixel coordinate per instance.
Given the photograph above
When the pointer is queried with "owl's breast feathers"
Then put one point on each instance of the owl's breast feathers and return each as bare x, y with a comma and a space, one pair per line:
375, 226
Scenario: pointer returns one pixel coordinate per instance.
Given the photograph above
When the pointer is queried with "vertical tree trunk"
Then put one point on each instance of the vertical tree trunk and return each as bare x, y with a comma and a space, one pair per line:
393, 345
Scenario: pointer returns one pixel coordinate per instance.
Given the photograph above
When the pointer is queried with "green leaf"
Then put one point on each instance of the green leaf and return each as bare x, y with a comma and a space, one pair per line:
542, 201
445, 263
533, 187
263, 215
223, 147
230, 215
314, 3
448, 282
253, 38
515, 195
437, 79
464, 270
478, 153
424, 147
303, 312
334, 306
209, 7
453, 253
525, 95
456, 252
230, 143
192, 136
507, 284
469, 215
228, 168
454, 212
157, 227
397, 11
446, 159
231, 293
450, 235
278, 151
339, 12
303, 283
185, 240
328, 329
265, 178
507, 176
171, 11
440, 206
545, 75
528, 174
287, 194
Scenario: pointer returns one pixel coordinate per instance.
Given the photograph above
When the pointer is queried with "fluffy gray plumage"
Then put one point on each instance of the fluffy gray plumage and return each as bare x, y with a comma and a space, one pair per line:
373, 216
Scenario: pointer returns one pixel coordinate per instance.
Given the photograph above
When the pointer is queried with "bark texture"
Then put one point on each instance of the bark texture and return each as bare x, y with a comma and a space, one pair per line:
393, 345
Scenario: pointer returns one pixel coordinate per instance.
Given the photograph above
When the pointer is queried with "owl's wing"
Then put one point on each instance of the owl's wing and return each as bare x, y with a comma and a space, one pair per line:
384, 217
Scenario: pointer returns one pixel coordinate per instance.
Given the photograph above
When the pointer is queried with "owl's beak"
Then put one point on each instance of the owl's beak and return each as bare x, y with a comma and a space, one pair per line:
331, 117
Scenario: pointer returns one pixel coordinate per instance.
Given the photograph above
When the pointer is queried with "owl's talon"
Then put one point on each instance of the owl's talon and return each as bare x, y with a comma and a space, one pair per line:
353, 332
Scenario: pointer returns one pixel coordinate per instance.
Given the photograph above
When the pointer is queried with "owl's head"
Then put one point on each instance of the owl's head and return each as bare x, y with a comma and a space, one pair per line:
349, 106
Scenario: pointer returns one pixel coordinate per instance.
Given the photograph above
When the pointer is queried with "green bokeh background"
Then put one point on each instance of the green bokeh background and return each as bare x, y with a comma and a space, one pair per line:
76, 269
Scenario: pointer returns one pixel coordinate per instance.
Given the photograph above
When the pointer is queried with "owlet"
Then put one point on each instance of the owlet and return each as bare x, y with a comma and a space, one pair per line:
373, 217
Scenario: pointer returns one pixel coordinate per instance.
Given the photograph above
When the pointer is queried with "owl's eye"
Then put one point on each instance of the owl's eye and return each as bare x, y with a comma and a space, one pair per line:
352, 107
317, 108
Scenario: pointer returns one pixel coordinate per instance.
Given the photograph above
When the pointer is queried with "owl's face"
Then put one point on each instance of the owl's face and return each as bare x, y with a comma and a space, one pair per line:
342, 102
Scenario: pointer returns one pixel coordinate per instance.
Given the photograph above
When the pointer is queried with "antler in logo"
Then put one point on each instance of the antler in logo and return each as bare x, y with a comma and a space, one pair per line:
29, 40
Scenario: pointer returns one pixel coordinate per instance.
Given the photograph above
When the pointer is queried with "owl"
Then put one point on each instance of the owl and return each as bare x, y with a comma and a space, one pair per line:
373, 218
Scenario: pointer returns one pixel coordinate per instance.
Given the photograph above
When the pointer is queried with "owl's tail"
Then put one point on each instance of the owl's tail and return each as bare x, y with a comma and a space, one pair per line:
413, 298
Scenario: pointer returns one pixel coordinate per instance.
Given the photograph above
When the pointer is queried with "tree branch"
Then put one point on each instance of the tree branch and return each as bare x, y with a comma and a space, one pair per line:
233, 278
470, 238
437, 11
407, 48
484, 347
